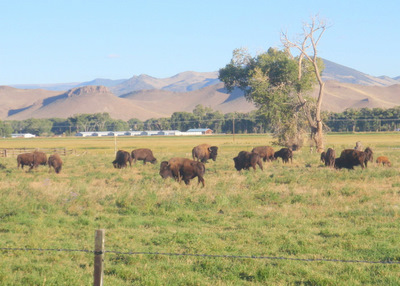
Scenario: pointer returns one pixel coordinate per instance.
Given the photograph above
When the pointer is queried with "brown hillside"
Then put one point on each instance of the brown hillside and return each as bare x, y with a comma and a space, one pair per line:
340, 96
89, 99
15, 99
23, 104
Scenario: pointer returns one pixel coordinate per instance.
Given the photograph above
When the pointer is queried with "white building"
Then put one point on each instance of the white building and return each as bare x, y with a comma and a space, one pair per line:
22, 135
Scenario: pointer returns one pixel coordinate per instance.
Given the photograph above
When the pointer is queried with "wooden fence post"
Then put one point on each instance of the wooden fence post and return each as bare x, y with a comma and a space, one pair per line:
98, 257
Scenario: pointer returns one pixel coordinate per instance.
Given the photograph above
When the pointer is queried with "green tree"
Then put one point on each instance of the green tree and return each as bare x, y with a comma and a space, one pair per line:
135, 124
271, 81
5, 129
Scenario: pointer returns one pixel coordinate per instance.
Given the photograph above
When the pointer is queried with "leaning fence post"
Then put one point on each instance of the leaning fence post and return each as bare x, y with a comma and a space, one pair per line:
98, 257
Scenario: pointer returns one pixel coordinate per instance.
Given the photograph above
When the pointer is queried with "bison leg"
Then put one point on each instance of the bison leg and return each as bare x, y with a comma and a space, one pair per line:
200, 179
260, 165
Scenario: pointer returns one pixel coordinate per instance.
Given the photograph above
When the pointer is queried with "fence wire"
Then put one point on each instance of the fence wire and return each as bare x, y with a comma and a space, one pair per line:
202, 255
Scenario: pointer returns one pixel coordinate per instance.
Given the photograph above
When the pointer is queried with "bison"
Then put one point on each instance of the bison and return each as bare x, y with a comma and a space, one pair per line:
143, 154
39, 158
204, 152
25, 159
183, 169
265, 152
368, 155
330, 158
349, 158
384, 161
245, 160
285, 154
121, 159
352, 157
55, 162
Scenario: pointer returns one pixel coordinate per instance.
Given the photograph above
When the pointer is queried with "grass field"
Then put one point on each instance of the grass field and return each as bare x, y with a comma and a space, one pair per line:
301, 210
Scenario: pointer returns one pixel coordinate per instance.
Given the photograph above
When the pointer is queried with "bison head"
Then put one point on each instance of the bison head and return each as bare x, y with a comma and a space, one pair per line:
238, 163
368, 154
165, 171
213, 152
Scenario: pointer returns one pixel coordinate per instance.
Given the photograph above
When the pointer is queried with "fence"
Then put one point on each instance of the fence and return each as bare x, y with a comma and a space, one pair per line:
99, 252
13, 152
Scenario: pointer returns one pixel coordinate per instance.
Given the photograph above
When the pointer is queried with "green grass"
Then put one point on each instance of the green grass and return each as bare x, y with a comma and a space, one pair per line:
301, 210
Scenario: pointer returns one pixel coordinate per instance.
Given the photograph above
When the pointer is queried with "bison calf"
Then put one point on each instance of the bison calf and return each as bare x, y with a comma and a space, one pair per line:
285, 154
121, 159
143, 154
384, 161
245, 160
55, 162
204, 152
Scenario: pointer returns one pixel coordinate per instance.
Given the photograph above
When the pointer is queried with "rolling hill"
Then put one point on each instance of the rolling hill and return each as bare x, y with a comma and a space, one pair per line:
145, 97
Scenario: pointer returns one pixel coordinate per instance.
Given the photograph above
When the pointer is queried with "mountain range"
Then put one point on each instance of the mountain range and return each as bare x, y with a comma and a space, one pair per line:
145, 97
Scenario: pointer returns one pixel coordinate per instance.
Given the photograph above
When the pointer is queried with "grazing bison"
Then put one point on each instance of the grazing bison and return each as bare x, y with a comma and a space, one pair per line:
330, 158
245, 160
25, 159
384, 161
285, 154
55, 162
121, 159
350, 158
204, 152
265, 152
183, 169
39, 158
143, 154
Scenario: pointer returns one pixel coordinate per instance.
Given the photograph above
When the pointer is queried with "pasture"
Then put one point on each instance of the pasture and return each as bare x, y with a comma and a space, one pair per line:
301, 210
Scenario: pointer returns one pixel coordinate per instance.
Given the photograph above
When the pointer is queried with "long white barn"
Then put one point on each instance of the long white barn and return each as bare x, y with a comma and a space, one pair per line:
142, 133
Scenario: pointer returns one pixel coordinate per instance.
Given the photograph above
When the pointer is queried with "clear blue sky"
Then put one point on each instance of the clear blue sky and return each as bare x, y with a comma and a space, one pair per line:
59, 41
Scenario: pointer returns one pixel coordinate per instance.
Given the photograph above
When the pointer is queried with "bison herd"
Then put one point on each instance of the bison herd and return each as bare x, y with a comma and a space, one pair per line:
185, 169
36, 158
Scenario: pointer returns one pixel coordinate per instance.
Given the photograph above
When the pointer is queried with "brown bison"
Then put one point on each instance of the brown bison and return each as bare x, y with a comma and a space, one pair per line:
384, 161
245, 160
55, 162
143, 154
121, 159
265, 152
183, 169
204, 152
25, 159
39, 158
330, 158
349, 158
369, 155
285, 154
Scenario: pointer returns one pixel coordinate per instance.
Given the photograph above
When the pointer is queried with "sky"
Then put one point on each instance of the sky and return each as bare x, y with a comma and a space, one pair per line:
57, 41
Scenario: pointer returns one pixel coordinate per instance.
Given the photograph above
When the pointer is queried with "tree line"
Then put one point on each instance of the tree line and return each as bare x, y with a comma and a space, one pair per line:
351, 120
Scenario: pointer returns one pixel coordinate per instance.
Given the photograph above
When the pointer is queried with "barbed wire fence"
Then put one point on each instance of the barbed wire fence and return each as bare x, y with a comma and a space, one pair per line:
99, 252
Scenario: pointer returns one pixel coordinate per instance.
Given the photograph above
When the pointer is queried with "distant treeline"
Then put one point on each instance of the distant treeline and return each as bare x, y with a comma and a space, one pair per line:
352, 120
364, 120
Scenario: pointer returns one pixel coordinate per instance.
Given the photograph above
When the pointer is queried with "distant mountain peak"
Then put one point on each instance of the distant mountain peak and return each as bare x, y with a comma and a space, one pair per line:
89, 89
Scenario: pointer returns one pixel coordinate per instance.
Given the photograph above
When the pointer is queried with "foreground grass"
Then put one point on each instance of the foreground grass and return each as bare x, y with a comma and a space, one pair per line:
301, 210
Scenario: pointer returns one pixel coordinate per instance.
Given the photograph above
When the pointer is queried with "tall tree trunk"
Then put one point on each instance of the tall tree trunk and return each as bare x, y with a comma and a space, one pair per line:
319, 134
